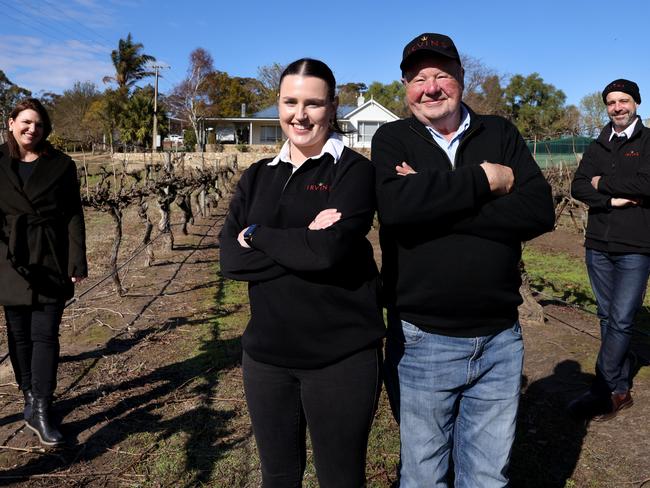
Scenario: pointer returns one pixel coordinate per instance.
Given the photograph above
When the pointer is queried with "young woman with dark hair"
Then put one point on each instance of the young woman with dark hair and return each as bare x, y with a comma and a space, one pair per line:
296, 232
42, 255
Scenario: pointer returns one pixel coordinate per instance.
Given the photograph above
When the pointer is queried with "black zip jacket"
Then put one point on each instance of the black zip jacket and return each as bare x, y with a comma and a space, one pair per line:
313, 294
450, 248
42, 232
625, 172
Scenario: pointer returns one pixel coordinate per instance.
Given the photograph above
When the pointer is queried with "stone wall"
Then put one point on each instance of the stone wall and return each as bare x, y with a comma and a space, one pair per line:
189, 159
238, 159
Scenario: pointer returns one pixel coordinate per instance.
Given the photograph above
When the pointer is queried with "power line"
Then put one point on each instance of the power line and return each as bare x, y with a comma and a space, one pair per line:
63, 12
29, 24
27, 16
55, 30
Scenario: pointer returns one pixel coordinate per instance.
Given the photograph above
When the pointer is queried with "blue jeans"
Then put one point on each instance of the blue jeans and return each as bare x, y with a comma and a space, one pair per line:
457, 398
619, 282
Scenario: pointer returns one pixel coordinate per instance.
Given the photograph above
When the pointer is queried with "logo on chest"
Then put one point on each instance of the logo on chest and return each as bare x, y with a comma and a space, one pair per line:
632, 154
318, 187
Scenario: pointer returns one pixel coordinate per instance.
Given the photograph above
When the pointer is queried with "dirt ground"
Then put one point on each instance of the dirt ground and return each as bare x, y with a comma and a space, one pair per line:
150, 387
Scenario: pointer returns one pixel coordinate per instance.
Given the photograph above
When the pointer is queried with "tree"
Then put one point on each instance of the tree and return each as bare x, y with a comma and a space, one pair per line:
136, 120
68, 113
226, 94
349, 93
269, 76
10, 94
537, 108
189, 99
593, 114
189, 138
488, 97
390, 96
571, 120
483, 91
105, 113
130, 63
476, 73
49, 100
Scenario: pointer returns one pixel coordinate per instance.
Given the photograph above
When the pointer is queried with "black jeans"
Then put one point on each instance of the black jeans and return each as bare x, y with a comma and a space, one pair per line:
337, 403
33, 336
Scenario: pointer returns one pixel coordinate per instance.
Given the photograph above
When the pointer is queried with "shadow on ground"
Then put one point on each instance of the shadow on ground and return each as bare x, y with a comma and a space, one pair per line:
548, 441
145, 407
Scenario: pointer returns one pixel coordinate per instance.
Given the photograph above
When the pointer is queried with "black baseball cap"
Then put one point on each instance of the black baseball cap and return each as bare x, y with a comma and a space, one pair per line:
625, 86
432, 43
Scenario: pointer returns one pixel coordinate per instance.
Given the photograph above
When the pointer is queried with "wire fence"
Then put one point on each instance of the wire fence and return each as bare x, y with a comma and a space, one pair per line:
558, 152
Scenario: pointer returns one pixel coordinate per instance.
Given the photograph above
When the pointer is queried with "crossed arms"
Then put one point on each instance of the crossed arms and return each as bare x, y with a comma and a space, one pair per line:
499, 201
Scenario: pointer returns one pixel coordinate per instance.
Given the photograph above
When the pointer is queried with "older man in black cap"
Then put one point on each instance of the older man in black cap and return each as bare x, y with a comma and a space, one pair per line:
457, 194
613, 179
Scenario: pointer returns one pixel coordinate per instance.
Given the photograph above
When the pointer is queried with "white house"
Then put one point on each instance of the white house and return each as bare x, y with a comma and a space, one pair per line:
363, 121
263, 127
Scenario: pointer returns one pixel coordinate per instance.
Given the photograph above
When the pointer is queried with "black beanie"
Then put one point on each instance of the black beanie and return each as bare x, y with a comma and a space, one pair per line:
625, 86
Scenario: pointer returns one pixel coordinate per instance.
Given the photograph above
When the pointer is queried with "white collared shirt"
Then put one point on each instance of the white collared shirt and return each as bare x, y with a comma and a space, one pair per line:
333, 146
450, 147
628, 130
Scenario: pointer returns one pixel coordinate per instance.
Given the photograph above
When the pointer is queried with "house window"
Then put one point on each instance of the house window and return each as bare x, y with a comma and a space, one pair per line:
366, 130
271, 133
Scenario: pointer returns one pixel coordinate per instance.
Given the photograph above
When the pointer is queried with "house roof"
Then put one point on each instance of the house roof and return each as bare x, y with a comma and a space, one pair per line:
372, 101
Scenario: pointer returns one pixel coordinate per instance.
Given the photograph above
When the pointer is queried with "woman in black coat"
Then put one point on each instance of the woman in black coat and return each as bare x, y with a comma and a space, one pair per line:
42, 255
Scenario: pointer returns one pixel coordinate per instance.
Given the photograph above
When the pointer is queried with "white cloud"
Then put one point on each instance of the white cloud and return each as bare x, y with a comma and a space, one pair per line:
88, 13
38, 65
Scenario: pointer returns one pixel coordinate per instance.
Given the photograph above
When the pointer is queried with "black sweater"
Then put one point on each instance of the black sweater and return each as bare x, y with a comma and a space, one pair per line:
450, 248
313, 294
625, 172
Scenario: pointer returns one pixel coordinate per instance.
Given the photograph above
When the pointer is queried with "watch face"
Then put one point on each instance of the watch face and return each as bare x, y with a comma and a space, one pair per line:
249, 231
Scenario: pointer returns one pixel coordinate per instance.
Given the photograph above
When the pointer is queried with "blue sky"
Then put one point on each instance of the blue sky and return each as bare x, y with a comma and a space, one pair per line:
577, 45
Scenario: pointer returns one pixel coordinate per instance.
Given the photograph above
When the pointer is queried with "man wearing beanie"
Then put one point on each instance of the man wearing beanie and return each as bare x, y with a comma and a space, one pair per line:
613, 179
457, 194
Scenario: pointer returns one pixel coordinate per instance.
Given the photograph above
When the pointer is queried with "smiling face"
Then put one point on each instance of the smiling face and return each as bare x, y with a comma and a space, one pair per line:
27, 129
621, 109
305, 114
434, 90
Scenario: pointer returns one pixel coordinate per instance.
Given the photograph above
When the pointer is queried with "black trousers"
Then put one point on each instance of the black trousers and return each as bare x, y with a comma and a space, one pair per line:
337, 403
33, 336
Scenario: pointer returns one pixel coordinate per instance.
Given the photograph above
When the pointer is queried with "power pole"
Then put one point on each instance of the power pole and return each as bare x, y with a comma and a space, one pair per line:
156, 67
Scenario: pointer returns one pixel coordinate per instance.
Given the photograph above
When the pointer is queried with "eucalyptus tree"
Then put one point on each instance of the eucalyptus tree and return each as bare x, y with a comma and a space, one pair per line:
10, 94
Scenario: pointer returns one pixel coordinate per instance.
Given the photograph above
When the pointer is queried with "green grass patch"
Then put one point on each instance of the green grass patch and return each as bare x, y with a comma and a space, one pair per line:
559, 275
167, 465
202, 435
383, 447
96, 333
565, 277
208, 440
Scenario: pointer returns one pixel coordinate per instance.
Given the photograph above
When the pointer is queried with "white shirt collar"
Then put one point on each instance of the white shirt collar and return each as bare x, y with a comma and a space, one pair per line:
628, 130
464, 124
333, 146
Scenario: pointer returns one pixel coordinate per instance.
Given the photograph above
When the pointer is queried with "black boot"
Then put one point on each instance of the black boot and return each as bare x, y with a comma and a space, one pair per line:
29, 401
40, 423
